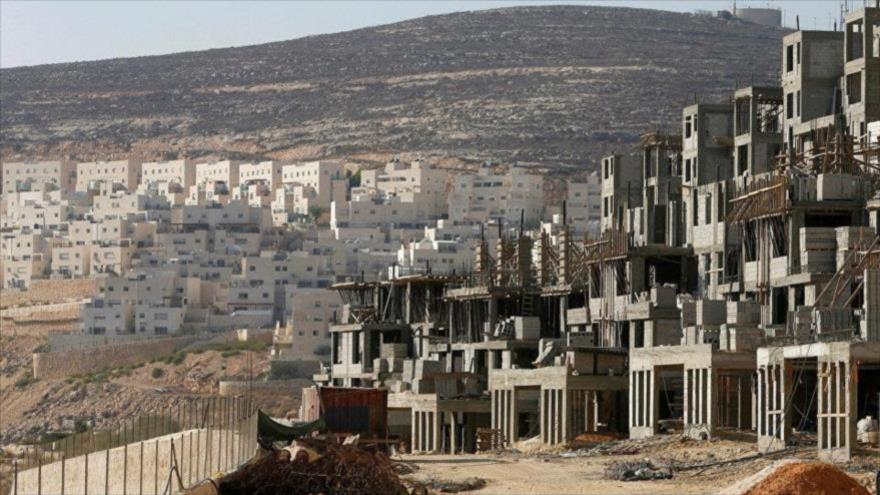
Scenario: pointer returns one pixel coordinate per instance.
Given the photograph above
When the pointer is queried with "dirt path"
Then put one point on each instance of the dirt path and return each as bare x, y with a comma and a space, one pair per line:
549, 473
544, 476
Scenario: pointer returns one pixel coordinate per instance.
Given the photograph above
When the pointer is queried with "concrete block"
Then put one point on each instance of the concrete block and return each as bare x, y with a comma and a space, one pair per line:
833, 320
688, 313
741, 339
779, 267
830, 187
393, 350
870, 324
743, 313
818, 238
664, 296
711, 313
854, 237
818, 261
527, 327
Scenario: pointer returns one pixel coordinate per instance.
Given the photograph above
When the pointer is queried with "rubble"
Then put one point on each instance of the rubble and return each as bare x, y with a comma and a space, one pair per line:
449, 486
644, 470
333, 469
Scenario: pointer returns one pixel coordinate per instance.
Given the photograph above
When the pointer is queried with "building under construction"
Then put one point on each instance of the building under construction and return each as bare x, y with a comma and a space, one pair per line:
735, 285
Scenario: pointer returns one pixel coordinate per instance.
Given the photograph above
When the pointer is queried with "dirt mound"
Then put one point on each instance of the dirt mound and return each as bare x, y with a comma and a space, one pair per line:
808, 478
597, 437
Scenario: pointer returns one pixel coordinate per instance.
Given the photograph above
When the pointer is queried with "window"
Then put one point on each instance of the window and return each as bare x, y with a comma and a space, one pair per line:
789, 58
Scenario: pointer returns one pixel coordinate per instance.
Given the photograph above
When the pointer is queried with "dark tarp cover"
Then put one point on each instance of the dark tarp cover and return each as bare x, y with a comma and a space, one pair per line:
269, 430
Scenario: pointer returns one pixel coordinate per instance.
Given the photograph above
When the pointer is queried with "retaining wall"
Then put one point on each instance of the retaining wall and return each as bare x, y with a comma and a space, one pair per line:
62, 364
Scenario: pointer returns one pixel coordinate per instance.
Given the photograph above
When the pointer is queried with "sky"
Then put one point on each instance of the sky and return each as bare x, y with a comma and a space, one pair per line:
41, 32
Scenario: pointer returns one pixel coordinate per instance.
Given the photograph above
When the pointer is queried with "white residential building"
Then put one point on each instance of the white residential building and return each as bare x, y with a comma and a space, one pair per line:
486, 195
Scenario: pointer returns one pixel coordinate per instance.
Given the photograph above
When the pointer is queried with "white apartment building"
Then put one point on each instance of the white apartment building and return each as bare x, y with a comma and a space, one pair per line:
71, 260
417, 181
434, 256
486, 195
91, 175
236, 214
584, 205
267, 173
129, 204
180, 172
225, 171
306, 332
26, 255
370, 208
320, 176
38, 176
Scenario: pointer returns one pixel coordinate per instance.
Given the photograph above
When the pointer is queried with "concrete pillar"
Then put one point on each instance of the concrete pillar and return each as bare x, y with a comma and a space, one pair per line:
632, 398
686, 402
566, 414
542, 412
413, 441
453, 427
514, 424
493, 416
437, 415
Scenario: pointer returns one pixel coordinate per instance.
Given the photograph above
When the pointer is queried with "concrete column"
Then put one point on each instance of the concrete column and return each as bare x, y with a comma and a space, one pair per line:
700, 404
453, 427
686, 402
426, 438
413, 447
493, 415
542, 412
437, 416
711, 402
632, 398
820, 408
595, 411
514, 424
654, 403
566, 414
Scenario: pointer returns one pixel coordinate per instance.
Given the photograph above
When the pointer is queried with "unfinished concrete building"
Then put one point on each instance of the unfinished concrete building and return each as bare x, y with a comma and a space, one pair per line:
735, 286
783, 312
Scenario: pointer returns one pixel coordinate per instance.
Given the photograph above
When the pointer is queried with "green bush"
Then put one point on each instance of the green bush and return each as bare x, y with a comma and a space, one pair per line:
24, 381
157, 373
80, 425
227, 354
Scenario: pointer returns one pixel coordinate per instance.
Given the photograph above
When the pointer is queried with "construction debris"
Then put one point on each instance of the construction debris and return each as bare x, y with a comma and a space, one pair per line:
450, 486
644, 470
337, 469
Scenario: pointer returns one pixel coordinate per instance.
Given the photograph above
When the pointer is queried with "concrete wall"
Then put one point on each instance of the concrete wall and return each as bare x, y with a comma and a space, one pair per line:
144, 467
62, 364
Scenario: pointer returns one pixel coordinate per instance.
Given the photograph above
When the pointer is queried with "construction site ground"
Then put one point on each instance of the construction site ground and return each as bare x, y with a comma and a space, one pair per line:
583, 470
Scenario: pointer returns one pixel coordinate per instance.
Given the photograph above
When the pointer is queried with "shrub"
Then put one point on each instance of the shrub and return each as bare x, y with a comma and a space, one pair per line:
157, 373
24, 381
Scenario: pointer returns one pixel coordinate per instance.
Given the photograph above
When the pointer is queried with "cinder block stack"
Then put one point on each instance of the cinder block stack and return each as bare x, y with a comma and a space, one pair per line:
831, 320
743, 313
850, 238
711, 314
870, 327
817, 249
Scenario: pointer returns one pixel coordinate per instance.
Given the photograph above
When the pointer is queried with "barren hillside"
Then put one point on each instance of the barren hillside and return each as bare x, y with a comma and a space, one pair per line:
550, 85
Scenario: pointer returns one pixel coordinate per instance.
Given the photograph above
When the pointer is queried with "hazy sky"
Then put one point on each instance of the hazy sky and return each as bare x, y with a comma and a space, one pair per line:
40, 32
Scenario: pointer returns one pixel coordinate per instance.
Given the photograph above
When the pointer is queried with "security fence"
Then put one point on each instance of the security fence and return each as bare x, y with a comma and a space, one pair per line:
154, 454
